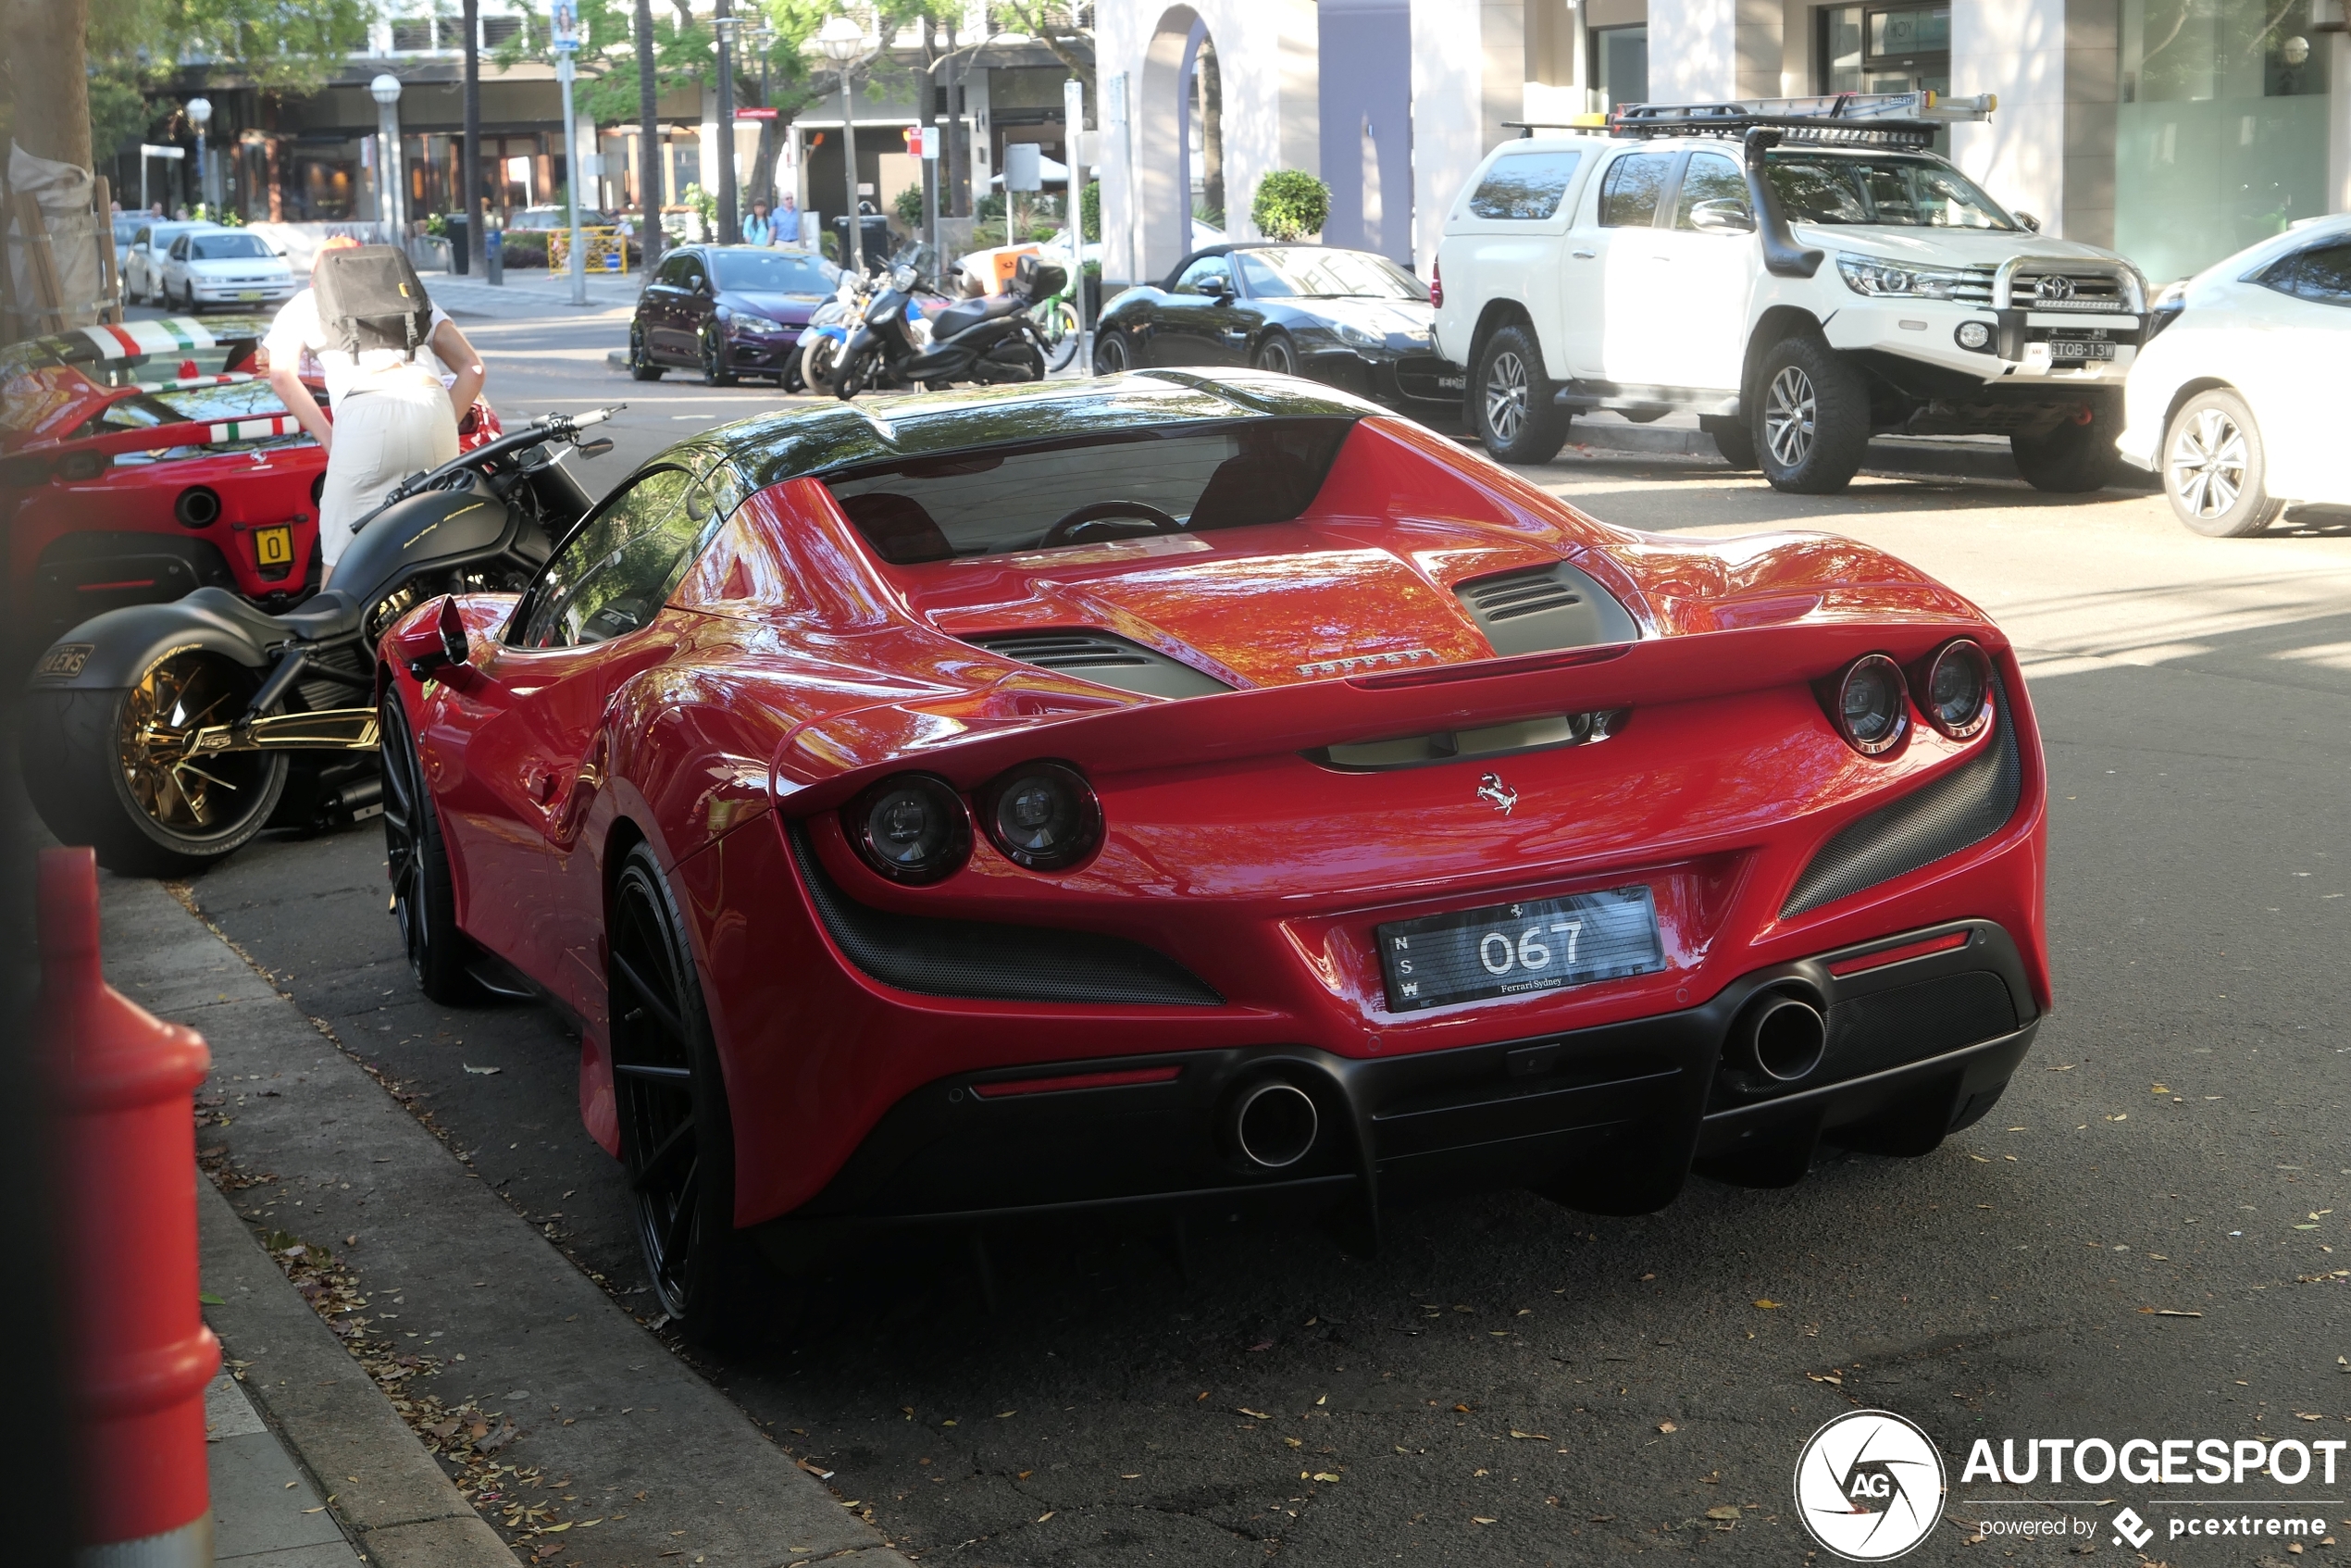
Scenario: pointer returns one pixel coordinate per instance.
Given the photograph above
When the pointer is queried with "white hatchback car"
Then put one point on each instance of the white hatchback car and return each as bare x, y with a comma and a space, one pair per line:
224, 267
2236, 399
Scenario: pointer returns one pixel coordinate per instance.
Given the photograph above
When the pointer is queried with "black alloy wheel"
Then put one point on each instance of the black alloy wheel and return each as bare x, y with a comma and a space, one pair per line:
676, 1142
714, 360
640, 360
424, 898
1111, 354
1275, 353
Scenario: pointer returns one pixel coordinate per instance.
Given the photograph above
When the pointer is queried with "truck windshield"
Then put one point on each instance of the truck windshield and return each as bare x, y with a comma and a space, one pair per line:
1913, 193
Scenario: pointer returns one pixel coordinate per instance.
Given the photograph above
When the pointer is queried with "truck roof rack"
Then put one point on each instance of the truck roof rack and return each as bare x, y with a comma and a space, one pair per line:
1841, 120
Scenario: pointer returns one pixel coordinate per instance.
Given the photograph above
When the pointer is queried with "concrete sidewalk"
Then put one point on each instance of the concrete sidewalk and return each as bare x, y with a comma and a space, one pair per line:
592, 1443
533, 292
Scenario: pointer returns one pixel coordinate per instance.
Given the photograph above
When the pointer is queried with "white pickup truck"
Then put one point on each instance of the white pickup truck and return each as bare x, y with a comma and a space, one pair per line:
1801, 274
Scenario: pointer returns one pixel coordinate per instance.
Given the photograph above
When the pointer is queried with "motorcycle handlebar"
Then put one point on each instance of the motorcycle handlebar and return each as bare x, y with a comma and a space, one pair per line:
547, 426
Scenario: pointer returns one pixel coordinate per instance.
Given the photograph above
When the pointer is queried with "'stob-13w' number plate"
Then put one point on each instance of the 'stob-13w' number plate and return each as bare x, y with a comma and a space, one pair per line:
1519, 948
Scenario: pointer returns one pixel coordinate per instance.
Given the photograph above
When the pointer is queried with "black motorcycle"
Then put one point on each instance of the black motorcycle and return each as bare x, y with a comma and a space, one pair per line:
168, 735
990, 341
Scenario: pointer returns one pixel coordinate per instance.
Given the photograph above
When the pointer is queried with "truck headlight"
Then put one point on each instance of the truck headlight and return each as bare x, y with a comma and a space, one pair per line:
1886, 279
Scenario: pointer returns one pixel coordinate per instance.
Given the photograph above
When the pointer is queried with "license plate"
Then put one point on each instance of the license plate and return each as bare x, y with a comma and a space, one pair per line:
1519, 948
2063, 350
273, 547
250, 295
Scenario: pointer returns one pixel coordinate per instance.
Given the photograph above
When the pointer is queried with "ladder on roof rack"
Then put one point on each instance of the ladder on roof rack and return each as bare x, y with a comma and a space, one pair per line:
1848, 119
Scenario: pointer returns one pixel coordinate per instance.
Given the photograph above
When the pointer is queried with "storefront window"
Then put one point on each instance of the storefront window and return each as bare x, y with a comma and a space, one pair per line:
1899, 49
2221, 133
1621, 65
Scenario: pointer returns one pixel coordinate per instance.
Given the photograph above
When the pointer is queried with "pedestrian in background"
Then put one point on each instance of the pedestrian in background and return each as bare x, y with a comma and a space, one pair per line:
759, 228
394, 413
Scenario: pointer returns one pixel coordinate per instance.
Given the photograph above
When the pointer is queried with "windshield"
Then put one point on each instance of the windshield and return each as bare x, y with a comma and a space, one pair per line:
1912, 192
166, 360
1009, 502
227, 247
126, 227
775, 272
1315, 272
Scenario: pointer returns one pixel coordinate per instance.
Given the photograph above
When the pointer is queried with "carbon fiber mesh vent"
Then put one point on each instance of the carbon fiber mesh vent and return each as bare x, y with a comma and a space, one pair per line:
1911, 1023
1962, 808
968, 958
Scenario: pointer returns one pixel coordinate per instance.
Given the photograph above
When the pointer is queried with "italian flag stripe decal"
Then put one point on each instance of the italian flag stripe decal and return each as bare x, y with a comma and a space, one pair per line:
254, 430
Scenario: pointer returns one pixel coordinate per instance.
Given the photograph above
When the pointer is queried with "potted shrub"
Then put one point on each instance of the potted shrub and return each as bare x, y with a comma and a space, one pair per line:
1290, 204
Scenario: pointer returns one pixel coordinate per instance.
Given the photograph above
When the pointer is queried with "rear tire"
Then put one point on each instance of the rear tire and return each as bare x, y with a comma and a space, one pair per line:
101, 767
676, 1142
1511, 406
1112, 355
424, 897
640, 361
1276, 355
1733, 440
2069, 460
1812, 421
2215, 467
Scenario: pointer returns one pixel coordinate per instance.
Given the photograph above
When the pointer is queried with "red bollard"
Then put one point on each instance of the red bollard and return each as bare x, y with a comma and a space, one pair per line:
141, 1352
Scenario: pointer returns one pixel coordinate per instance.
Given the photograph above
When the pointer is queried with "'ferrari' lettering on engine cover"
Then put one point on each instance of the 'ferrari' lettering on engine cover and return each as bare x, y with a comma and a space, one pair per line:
1354, 662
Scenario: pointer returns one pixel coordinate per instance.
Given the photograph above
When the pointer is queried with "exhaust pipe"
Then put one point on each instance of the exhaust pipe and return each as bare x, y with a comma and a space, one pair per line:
1778, 1035
1274, 1123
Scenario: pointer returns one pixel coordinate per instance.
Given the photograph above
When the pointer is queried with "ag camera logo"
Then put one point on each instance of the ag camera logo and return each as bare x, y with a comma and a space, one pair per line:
1869, 1486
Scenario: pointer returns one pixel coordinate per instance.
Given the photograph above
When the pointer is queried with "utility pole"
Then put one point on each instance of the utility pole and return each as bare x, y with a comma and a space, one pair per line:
730, 226
470, 183
565, 17
649, 239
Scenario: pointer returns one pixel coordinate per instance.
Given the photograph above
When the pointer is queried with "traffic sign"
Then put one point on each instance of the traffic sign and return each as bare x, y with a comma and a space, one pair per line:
754, 114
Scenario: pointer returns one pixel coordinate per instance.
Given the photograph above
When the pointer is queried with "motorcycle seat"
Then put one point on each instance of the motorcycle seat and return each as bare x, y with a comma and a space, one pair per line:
967, 314
326, 614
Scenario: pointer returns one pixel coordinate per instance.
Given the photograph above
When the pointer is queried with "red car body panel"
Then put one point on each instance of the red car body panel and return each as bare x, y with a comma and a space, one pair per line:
793, 667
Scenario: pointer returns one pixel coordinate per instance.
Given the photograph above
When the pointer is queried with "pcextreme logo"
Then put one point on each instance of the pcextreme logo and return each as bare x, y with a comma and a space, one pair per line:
1869, 1486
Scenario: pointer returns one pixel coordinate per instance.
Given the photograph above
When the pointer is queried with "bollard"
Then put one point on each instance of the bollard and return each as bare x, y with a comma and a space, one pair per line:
141, 1354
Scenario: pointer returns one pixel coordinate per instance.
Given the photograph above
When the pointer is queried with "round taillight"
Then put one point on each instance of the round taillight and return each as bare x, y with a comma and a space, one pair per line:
911, 827
1043, 815
1954, 688
1872, 712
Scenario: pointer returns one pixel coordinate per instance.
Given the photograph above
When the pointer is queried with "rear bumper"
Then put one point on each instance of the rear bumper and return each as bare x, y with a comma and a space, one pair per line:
1610, 1118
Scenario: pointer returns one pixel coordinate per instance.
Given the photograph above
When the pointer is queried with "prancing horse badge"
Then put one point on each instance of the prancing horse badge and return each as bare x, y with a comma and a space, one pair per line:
1496, 793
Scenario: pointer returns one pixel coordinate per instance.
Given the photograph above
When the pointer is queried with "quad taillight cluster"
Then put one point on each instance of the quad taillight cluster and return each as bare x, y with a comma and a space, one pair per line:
1870, 701
916, 827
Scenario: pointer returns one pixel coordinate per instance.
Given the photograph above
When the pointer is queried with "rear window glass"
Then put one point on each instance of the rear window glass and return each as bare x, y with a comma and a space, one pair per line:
1068, 494
1631, 190
1524, 185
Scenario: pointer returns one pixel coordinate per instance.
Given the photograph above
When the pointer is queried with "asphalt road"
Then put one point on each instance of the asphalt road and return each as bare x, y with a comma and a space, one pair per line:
1512, 1382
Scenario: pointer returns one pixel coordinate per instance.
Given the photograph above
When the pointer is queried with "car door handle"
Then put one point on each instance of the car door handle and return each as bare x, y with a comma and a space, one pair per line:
1583, 255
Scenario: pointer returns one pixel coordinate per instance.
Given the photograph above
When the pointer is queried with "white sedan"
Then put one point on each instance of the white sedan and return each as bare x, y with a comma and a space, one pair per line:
2237, 400
142, 261
224, 267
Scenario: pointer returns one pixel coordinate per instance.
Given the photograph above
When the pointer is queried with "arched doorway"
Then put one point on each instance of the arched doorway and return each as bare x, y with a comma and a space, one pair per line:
1180, 116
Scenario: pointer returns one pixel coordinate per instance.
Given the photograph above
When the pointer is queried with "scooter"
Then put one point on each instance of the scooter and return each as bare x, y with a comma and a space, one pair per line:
168, 735
991, 339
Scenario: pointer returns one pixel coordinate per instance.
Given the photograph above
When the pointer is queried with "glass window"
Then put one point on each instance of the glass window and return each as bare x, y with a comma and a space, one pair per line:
1715, 182
1196, 276
1840, 47
1524, 185
775, 272
613, 574
1632, 189
995, 502
2322, 273
1621, 65
679, 271
1909, 32
179, 251
1910, 192
227, 247
1319, 272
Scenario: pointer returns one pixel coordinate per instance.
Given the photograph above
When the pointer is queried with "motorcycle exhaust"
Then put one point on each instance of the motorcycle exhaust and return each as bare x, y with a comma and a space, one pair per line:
1779, 1035
1273, 1123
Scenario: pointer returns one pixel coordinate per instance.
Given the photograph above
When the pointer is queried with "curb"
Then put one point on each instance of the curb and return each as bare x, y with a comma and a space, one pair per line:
1960, 457
391, 1500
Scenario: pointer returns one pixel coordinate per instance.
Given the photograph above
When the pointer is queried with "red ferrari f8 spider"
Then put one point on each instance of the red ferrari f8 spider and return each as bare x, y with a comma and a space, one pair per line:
1181, 789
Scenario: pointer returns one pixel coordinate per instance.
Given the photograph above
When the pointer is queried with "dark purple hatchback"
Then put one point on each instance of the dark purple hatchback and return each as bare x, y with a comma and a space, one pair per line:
728, 311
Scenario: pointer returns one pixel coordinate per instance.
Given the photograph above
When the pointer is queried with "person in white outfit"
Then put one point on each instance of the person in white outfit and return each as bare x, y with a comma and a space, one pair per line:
393, 415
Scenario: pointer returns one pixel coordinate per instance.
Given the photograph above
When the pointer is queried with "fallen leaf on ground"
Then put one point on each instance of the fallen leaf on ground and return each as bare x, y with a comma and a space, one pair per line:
1546, 1437
2169, 1312
482, 1072
1255, 1414
1667, 1427
1728, 1511
1479, 1518
1765, 1302
1324, 1475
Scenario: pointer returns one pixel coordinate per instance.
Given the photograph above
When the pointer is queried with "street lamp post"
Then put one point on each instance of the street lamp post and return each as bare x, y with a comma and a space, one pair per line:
200, 114
763, 39
842, 41
730, 227
385, 90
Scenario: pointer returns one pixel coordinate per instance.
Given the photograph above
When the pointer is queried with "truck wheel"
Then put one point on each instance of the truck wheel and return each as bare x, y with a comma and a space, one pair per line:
2215, 467
1512, 408
1733, 440
2072, 459
1812, 421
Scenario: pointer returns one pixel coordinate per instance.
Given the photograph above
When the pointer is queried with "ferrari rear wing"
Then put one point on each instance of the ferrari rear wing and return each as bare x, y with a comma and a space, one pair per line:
967, 742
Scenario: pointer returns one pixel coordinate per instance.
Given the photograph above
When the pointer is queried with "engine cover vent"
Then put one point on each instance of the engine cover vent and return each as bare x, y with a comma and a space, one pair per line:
1545, 609
1106, 660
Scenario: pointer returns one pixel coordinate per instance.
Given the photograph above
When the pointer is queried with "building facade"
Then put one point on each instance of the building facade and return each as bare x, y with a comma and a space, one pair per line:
2175, 131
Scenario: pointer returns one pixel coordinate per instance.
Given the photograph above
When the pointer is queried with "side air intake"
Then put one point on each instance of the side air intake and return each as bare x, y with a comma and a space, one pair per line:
1545, 609
1106, 660
1965, 806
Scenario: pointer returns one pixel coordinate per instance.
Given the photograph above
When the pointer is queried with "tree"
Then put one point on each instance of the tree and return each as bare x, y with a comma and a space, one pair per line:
1064, 26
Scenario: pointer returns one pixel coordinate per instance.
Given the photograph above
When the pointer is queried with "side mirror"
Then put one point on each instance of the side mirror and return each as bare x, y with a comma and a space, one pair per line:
592, 449
2030, 221
1722, 217
426, 643
1216, 286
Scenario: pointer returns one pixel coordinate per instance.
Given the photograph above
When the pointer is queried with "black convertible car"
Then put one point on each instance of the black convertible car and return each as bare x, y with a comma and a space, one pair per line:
1352, 318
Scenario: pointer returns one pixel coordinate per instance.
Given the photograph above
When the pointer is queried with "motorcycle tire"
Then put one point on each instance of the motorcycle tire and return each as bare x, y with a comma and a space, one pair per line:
98, 765
816, 362
854, 374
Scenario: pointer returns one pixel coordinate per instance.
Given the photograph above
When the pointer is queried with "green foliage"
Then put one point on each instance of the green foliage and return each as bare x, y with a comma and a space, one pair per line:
279, 47
1090, 210
908, 208
118, 112
437, 225
1290, 204
704, 204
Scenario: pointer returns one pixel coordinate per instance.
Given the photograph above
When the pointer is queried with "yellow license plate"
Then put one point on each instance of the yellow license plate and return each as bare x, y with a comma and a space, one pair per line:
273, 547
